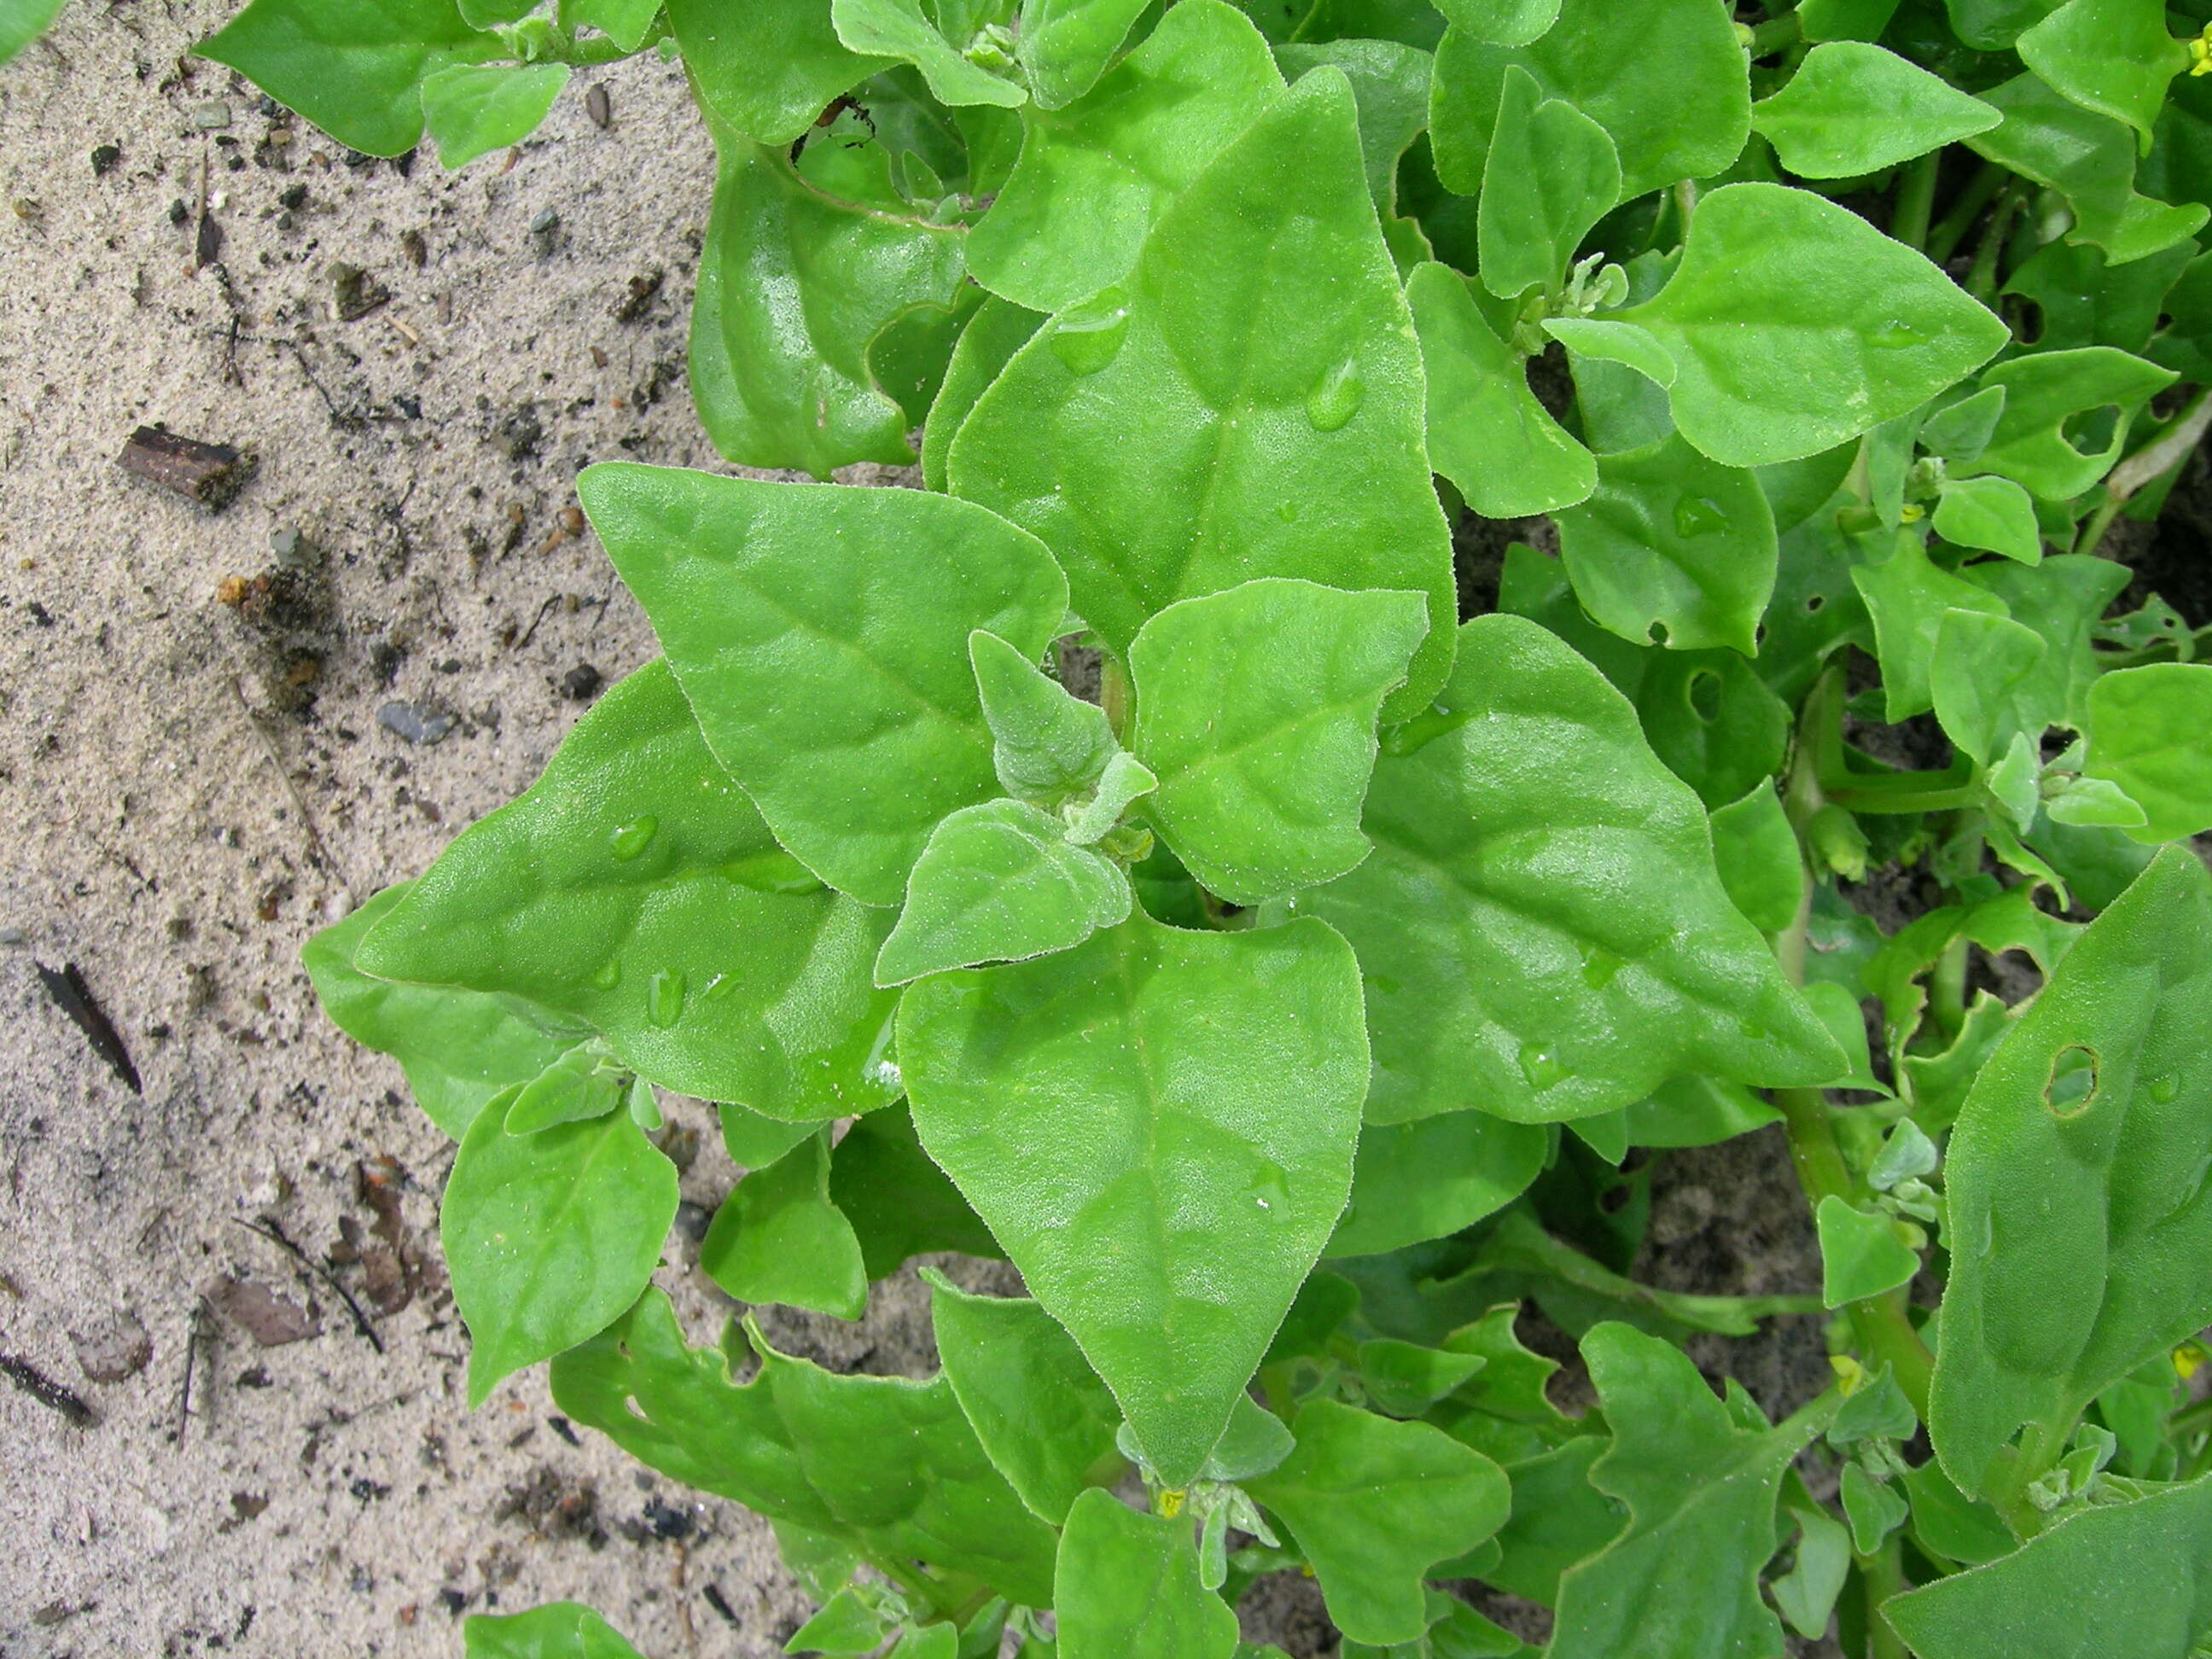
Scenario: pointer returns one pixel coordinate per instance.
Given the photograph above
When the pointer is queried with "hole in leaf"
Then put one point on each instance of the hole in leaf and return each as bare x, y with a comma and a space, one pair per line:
2073, 1083
2090, 430
1614, 1199
1658, 635
2164, 321
1815, 601
1705, 695
2030, 326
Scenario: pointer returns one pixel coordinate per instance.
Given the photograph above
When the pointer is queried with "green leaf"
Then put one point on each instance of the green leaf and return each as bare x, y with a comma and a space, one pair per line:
1755, 851
1981, 662
1993, 514
1558, 1519
1374, 1504
472, 110
1095, 177
1041, 1412
1860, 1255
1128, 1588
1487, 432
1257, 709
998, 329
1873, 1510
794, 284
2112, 56
1161, 439
1697, 1112
899, 1202
583, 1084
823, 633
1502, 22
2079, 299
1403, 1379
549, 1236
1001, 881
1852, 109
1431, 1177
2032, 444
491, 14
633, 889
2076, 1179
1961, 431
2132, 1578
886, 1465
1065, 45
778, 1238
1617, 343
1807, 1594
1994, 25
2090, 160
1129, 1114
1909, 597
2060, 600
898, 29
457, 1047
1794, 325
766, 68
1506, 968
626, 22
1673, 546
846, 1625
754, 1142
1390, 84
2147, 730
1682, 1577
355, 68
1676, 99
559, 1629
1048, 747
1125, 780
1551, 174
23, 22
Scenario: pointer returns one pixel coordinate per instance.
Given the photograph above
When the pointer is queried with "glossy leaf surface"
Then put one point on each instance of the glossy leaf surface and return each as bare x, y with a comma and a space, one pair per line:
472, 110
1065, 45
1374, 1504
1487, 432
901, 29
832, 678
1852, 109
1512, 962
999, 883
458, 1048
355, 68
1677, 102
1095, 177
559, 1629
1433, 1176
1673, 546
1262, 341
549, 1236
794, 285
1794, 325
887, 1466
2079, 1216
778, 1238
1257, 710
632, 889
1132, 1115
1682, 1577
1551, 173
1043, 1415
1128, 1588
2151, 736
766, 69
2133, 1578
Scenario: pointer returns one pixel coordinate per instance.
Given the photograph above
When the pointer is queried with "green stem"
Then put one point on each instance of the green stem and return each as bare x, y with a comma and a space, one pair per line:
1114, 694
1982, 280
1901, 800
1884, 1573
1880, 1325
1951, 229
2039, 1450
1947, 990
1915, 199
1775, 34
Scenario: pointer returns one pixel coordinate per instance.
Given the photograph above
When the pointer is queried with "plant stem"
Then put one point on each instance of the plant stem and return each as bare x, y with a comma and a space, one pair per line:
1982, 280
1884, 1572
1952, 228
2173, 445
1915, 199
1114, 694
1775, 34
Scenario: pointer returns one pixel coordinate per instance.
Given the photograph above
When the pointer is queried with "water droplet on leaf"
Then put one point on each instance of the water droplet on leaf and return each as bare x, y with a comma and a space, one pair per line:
1266, 1190
610, 974
1088, 335
633, 838
1698, 516
2164, 1089
664, 998
1335, 397
1540, 1066
1600, 967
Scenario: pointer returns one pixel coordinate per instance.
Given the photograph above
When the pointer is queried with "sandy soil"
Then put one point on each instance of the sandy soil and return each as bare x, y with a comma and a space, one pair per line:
190, 786
198, 766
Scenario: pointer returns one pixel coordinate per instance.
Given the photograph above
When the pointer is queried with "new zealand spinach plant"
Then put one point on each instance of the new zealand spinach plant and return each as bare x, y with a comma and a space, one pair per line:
1289, 1015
